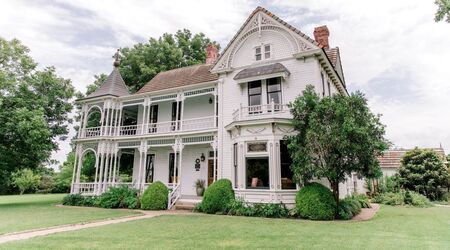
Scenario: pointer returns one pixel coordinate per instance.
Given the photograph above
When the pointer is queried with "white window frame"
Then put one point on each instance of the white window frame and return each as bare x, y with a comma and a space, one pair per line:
262, 52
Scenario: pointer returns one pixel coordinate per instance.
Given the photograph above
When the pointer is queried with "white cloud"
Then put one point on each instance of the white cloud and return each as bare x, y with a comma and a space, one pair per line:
377, 39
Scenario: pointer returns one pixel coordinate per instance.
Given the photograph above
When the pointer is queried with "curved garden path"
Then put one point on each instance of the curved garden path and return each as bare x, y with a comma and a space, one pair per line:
367, 213
72, 227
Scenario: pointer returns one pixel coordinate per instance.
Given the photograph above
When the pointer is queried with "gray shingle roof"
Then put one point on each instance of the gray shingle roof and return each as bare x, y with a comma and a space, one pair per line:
261, 70
113, 86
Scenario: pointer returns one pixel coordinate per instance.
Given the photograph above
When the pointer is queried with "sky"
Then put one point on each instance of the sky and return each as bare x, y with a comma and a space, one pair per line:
392, 51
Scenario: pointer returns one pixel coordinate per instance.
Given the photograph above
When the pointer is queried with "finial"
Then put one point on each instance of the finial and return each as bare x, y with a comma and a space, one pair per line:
117, 60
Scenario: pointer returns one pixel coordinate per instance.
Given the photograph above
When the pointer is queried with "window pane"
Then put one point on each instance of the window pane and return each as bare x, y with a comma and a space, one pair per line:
273, 84
254, 100
276, 96
257, 147
267, 48
258, 57
258, 50
287, 181
254, 87
257, 173
266, 55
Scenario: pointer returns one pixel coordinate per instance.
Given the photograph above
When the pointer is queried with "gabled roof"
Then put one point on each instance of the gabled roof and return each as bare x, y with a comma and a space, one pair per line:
180, 77
114, 85
261, 70
392, 158
258, 9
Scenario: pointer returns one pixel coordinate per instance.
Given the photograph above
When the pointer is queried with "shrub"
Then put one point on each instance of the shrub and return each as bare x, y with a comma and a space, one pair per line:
25, 180
423, 171
73, 200
362, 199
351, 206
217, 197
316, 202
46, 184
268, 210
403, 198
155, 197
119, 197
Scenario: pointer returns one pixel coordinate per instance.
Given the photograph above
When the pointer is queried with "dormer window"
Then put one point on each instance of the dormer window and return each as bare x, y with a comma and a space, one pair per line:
261, 51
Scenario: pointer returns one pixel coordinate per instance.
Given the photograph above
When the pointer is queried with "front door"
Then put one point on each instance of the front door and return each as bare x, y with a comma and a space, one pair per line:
211, 171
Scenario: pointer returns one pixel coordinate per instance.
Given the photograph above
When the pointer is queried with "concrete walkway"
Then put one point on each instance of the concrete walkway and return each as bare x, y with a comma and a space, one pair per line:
73, 227
367, 213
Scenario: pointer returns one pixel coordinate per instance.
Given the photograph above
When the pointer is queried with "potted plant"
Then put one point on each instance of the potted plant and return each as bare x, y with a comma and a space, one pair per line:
200, 187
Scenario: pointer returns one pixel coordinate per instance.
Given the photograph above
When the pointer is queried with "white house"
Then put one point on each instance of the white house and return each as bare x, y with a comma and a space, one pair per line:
222, 119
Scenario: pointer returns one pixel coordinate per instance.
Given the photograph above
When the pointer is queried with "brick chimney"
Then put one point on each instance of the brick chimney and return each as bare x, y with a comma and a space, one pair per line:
321, 35
211, 54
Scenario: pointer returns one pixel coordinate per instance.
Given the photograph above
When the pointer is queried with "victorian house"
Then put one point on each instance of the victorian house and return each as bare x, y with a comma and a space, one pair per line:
225, 118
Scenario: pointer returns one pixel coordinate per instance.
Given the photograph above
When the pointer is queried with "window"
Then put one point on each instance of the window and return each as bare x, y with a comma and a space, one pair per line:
329, 88
287, 180
266, 51
274, 90
153, 119
149, 169
175, 118
258, 56
257, 173
323, 84
254, 96
235, 164
259, 52
172, 176
256, 147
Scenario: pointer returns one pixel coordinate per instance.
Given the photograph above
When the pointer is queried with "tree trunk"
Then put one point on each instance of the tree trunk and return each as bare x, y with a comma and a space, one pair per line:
335, 188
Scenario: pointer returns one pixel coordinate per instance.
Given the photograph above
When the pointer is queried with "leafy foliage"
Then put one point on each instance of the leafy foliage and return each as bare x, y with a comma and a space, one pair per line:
443, 11
348, 208
402, 197
217, 197
337, 136
423, 171
73, 200
34, 109
25, 180
155, 197
119, 197
143, 61
316, 202
269, 210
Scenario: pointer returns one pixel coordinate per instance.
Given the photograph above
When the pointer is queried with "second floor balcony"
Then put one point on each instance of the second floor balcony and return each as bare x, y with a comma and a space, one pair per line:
187, 125
271, 110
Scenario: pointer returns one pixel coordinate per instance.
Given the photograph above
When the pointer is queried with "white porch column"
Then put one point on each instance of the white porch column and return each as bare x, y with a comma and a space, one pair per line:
119, 119
116, 159
177, 148
100, 173
214, 145
215, 107
97, 160
77, 150
82, 115
149, 104
144, 114
182, 97
142, 160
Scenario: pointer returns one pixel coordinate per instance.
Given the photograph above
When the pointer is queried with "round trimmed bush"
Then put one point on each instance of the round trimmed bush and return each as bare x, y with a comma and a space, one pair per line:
315, 202
217, 197
155, 197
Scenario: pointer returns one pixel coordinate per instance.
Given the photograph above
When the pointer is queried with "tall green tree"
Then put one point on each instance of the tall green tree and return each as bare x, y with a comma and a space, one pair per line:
140, 63
423, 171
336, 136
34, 109
443, 11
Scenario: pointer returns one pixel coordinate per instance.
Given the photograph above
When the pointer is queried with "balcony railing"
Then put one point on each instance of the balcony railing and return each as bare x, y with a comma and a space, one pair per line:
261, 111
186, 125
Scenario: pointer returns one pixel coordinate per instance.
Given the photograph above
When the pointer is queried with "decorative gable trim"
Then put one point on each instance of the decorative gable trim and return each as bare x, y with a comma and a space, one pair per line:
260, 20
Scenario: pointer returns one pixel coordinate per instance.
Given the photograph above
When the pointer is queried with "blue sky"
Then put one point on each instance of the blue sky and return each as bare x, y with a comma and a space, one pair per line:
392, 51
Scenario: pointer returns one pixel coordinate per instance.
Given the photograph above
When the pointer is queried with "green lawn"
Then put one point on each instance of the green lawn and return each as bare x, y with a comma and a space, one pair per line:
392, 228
24, 212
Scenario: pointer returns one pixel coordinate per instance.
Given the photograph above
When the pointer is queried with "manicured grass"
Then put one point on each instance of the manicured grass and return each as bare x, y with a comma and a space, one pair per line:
25, 212
392, 228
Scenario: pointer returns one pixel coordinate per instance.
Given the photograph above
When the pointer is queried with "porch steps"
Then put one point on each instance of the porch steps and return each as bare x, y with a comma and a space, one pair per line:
187, 203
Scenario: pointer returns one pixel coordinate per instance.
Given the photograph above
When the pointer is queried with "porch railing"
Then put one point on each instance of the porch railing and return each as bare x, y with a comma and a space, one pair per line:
259, 111
174, 195
186, 125
87, 188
